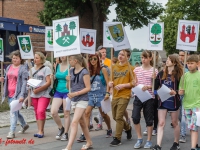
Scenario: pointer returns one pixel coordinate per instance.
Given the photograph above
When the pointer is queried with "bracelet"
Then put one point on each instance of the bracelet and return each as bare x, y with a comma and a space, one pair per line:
108, 93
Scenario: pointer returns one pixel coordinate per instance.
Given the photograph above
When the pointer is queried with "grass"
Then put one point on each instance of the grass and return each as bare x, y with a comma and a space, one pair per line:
4, 106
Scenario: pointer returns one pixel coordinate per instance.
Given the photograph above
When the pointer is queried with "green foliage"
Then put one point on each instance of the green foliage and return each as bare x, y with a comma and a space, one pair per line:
58, 29
156, 29
177, 10
72, 26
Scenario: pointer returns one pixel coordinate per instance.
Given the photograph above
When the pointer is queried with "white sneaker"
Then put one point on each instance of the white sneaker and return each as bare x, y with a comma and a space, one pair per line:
11, 135
30, 108
23, 129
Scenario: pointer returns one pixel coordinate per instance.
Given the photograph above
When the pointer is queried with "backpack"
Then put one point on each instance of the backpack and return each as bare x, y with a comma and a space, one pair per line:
102, 76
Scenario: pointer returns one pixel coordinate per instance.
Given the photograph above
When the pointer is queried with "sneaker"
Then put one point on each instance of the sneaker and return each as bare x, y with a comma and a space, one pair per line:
64, 137
148, 145
91, 126
109, 133
182, 139
30, 108
99, 127
11, 135
96, 120
156, 147
154, 132
145, 132
129, 134
82, 138
23, 129
138, 143
60, 132
175, 146
197, 147
115, 142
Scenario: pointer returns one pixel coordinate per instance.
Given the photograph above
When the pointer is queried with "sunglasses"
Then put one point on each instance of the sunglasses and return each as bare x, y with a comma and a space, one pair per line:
95, 59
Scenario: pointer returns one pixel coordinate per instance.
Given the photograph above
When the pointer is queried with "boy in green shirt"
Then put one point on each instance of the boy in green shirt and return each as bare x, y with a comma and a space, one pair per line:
189, 87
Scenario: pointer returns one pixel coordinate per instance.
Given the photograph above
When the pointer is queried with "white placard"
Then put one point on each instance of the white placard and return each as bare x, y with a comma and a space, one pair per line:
163, 93
48, 38
118, 37
68, 103
198, 119
187, 36
66, 40
87, 41
25, 46
106, 105
34, 83
142, 95
106, 35
1, 50
15, 105
156, 36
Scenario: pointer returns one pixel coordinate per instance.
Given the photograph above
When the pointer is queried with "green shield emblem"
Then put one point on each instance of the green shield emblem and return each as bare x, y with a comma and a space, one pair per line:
25, 44
117, 32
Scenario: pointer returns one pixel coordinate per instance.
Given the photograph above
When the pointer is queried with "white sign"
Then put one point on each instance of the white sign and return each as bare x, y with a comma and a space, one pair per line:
106, 35
1, 50
87, 41
49, 38
156, 36
118, 37
25, 46
66, 37
187, 37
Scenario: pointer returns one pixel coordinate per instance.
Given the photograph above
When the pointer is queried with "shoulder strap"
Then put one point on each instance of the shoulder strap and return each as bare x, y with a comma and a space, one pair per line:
38, 70
93, 79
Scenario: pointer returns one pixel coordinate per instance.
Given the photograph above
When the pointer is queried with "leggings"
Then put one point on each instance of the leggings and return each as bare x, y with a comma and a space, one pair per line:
40, 104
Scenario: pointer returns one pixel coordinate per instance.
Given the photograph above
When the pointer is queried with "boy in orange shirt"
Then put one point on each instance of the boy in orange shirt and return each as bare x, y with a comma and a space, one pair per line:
121, 84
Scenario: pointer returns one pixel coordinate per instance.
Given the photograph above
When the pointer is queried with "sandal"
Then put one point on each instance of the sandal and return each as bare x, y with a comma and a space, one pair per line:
85, 147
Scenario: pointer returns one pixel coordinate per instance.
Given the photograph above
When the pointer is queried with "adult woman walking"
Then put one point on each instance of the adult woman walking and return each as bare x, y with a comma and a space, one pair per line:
15, 89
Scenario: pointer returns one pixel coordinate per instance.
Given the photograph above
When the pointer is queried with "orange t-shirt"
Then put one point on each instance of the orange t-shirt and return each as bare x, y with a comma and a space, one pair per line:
107, 62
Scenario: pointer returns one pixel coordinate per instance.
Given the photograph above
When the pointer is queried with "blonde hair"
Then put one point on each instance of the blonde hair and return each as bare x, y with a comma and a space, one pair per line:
16, 53
81, 60
42, 57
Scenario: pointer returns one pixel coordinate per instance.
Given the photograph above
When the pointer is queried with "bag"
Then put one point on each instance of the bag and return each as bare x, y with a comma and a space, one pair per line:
38, 71
55, 83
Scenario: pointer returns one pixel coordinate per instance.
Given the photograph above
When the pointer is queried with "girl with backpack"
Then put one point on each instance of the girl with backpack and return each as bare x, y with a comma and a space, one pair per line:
170, 77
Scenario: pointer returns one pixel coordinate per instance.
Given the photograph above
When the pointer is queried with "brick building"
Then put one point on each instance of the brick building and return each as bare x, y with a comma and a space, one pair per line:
27, 10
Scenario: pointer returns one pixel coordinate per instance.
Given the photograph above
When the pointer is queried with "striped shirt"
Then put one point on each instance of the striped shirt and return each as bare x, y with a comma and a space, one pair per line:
145, 77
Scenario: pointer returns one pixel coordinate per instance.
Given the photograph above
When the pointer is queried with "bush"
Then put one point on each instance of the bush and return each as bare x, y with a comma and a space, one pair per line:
4, 106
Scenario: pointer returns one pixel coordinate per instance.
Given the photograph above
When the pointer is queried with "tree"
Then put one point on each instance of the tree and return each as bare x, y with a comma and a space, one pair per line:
72, 26
156, 29
58, 28
49, 35
116, 31
25, 42
177, 10
138, 15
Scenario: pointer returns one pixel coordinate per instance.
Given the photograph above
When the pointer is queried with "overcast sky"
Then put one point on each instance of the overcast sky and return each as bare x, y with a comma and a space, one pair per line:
137, 38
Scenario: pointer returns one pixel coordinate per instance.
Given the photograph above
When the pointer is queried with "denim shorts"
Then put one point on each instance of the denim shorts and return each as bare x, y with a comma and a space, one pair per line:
60, 95
95, 99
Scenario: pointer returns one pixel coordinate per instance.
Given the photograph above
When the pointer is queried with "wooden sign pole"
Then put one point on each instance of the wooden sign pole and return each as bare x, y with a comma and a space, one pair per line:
185, 58
111, 73
129, 66
68, 73
52, 69
154, 68
2, 71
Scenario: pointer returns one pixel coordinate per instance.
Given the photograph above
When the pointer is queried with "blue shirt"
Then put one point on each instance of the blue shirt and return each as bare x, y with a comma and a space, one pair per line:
61, 76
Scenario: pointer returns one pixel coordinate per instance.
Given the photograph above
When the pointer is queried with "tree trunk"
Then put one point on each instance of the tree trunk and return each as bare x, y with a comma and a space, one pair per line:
155, 38
96, 22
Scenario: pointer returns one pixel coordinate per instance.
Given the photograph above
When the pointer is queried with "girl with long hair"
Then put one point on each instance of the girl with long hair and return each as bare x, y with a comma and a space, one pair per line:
79, 86
170, 77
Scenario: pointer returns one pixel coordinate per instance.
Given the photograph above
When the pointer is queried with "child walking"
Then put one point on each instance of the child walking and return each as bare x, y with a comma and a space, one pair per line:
79, 77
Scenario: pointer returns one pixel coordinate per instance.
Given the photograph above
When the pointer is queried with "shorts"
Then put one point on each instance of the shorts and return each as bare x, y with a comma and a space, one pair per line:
79, 104
169, 110
95, 99
192, 118
60, 95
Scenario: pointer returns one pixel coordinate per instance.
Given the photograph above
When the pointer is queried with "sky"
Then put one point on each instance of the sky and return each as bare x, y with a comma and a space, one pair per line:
137, 38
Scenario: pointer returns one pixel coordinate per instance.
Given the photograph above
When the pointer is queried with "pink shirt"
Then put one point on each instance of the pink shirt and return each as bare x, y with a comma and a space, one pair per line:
145, 77
12, 80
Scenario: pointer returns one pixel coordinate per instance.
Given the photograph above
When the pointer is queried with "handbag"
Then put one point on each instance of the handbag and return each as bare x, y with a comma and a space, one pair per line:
55, 83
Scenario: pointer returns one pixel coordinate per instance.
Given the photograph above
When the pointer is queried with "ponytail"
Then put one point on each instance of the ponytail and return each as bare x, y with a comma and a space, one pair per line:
81, 60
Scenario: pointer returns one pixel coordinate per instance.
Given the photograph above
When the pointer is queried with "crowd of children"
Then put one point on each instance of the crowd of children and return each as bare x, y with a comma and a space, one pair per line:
116, 78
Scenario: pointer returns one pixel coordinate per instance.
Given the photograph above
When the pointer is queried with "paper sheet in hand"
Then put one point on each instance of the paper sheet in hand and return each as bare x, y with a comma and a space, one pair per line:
68, 103
198, 119
15, 105
34, 82
106, 106
142, 95
163, 93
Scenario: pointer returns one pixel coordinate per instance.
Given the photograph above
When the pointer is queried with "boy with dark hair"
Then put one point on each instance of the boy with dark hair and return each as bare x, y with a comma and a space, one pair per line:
189, 87
122, 82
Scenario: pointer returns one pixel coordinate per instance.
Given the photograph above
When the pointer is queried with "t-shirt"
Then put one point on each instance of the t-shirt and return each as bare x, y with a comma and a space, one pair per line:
106, 62
77, 84
12, 80
61, 76
169, 103
41, 75
192, 90
145, 77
